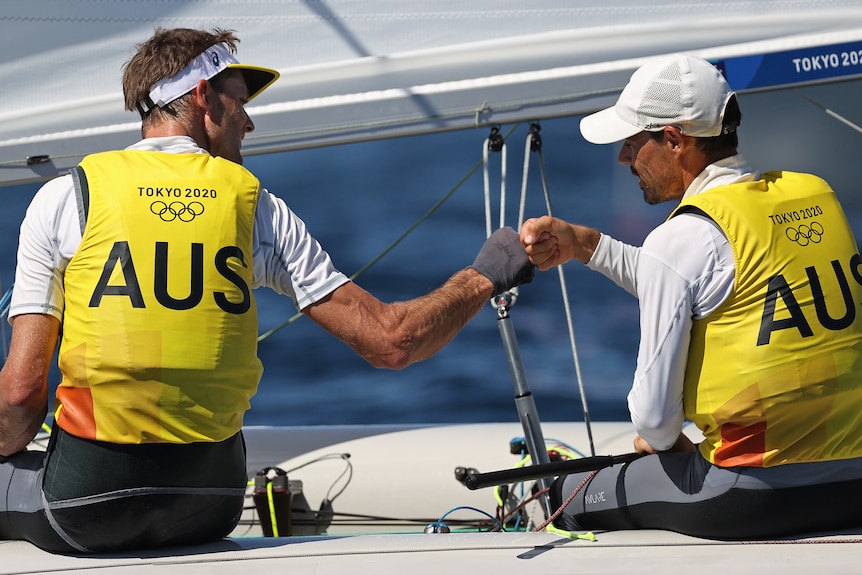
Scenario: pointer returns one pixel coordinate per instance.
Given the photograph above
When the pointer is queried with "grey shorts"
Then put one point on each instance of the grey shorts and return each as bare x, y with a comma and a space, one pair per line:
683, 492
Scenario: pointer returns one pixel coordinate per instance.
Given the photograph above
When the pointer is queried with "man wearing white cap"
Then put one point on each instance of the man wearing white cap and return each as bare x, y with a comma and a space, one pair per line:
750, 327
146, 258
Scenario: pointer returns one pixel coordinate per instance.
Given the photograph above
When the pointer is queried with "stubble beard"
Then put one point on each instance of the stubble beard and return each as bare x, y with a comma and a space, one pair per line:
651, 197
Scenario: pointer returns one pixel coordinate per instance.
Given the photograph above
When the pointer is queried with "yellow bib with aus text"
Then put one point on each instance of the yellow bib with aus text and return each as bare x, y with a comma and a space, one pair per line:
775, 375
159, 338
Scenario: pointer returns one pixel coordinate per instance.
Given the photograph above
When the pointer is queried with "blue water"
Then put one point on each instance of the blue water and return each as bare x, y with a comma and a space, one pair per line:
358, 199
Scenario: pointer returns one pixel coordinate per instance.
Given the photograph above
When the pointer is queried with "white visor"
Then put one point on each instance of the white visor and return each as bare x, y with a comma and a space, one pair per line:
205, 66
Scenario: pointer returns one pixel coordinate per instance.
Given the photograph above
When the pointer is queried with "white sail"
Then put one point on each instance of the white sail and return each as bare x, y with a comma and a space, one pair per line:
355, 70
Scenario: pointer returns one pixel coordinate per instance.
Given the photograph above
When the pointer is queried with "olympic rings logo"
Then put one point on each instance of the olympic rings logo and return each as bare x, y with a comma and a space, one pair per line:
804, 234
176, 210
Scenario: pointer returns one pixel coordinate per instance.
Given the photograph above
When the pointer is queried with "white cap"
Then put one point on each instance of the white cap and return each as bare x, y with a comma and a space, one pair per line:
676, 90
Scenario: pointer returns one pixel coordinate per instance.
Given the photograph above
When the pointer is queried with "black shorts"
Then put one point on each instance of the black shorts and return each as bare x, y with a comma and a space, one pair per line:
98, 496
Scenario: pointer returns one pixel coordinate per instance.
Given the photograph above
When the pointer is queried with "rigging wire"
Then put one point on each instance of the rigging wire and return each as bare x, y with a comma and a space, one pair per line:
347, 472
828, 111
494, 143
439, 522
534, 144
524, 401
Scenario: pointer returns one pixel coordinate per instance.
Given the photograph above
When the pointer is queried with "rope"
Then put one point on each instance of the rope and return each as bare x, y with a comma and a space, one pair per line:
829, 541
534, 144
568, 500
273, 520
469, 508
494, 143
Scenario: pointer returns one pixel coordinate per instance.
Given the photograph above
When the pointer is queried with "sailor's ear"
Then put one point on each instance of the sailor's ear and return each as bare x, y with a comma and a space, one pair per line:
673, 136
202, 93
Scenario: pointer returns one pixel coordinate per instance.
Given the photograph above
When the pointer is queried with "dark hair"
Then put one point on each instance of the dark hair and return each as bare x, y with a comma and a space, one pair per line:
728, 139
164, 55
725, 142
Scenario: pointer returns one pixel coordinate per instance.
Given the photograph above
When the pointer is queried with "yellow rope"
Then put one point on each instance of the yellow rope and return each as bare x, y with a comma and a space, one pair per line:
272, 518
588, 536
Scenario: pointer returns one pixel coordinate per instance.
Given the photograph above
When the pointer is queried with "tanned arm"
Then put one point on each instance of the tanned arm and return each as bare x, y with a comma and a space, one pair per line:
24, 380
396, 335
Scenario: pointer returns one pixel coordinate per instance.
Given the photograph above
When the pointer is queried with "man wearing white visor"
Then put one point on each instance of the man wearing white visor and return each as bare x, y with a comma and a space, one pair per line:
147, 258
750, 327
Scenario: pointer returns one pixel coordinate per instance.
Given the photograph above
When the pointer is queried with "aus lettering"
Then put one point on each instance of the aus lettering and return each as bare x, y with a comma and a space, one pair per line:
840, 317
121, 257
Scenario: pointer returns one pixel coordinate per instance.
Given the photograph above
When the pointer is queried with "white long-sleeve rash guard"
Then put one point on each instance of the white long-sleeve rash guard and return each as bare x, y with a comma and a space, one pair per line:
684, 271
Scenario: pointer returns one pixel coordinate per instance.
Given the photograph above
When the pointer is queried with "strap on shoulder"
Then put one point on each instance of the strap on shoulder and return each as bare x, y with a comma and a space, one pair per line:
82, 195
691, 210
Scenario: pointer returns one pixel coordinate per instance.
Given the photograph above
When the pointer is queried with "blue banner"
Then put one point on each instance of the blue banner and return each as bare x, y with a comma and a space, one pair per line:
791, 67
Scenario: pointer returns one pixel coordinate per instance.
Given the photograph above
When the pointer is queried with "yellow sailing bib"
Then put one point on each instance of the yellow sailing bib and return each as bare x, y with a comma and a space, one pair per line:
775, 375
159, 336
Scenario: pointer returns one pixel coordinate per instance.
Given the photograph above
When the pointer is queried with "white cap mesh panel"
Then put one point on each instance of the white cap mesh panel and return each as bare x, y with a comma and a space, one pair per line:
663, 95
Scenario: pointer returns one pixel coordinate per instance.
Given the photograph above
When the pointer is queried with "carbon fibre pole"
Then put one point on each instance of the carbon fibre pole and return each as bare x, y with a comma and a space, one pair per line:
479, 480
524, 402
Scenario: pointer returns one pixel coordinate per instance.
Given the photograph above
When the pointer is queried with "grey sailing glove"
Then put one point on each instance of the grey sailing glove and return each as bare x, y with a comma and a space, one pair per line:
503, 260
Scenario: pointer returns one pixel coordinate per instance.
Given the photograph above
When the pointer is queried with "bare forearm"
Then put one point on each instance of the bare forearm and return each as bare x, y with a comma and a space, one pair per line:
19, 426
398, 334
586, 241
395, 335
23, 402
432, 321
24, 380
